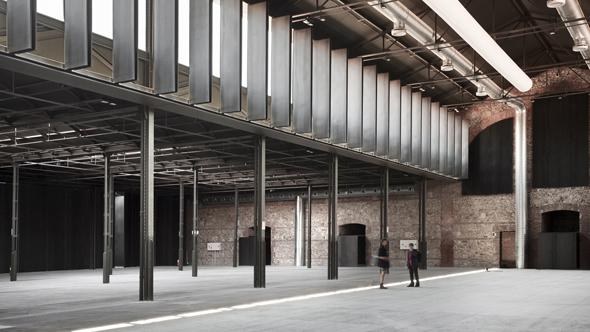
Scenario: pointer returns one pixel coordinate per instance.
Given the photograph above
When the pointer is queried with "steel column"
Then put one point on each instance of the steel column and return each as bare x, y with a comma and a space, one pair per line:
259, 203
21, 25
14, 231
200, 50
332, 220
111, 221
124, 40
106, 253
236, 225
181, 225
77, 33
195, 231
384, 204
230, 76
281, 71
257, 54
308, 227
422, 245
146, 258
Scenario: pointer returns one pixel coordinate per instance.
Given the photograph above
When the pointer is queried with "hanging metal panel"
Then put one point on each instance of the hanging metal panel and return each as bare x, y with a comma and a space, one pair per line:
416, 128
338, 98
355, 103
434, 136
124, 41
406, 124
257, 60
21, 25
200, 50
320, 94
230, 75
382, 143
425, 158
302, 80
450, 169
458, 150
394, 120
280, 72
369, 108
77, 33
443, 136
165, 46
465, 149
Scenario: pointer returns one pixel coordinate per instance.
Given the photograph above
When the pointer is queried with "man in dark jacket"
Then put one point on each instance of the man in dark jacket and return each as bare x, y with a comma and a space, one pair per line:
412, 263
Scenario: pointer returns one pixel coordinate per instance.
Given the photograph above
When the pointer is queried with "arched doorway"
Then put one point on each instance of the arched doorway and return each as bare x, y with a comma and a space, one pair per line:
559, 240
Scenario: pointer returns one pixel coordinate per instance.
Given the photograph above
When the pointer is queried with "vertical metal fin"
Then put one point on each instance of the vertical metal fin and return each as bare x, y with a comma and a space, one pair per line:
230, 76
465, 149
280, 106
21, 25
302, 80
200, 49
338, 95
124, 41
369, 108
406, 124
425, 159
320, 93
450, 170
416, 128
257, 60
434, 136
382, 143
355, 103
443, 134
165, 46
77, 33
458, 150
395, 120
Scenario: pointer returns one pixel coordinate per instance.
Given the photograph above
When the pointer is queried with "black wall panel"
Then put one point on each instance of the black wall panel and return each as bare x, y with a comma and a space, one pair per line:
560, 142
61, 227
491, 160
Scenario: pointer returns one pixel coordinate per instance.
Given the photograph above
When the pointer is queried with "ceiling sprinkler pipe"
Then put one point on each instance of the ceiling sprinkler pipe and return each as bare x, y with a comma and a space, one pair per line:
571, 13
423, 34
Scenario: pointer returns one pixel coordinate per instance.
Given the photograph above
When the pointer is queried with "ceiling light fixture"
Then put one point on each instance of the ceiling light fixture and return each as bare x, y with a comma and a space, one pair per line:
399, 29
555, 3
458, 18
447, 65
580, 45
481, 91
307, 22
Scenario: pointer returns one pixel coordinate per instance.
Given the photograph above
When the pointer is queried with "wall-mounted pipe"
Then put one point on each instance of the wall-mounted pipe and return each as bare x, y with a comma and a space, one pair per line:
520, 179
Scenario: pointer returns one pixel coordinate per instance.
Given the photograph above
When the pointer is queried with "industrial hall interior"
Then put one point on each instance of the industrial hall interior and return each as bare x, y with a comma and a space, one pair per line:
294, 165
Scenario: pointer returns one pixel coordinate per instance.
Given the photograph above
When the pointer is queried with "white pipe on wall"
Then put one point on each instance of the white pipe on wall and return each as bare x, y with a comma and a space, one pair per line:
520, 179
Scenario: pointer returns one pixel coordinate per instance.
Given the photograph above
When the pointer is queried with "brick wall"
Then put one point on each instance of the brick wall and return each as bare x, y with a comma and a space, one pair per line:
461, 230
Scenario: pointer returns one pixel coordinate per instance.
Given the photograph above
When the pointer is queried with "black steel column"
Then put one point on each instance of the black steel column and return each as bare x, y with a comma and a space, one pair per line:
236, 225
181, 225
259, 202
309, 226
422, 226
14, 230
332, 220
107, 237
384, 203
146, 259
111, 221
195, 231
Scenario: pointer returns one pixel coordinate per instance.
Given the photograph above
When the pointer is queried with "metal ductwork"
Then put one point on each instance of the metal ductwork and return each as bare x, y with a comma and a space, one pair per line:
424, 34
572, 15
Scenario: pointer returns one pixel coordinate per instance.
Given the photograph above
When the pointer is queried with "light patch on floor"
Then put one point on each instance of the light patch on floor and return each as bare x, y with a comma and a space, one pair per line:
267, 303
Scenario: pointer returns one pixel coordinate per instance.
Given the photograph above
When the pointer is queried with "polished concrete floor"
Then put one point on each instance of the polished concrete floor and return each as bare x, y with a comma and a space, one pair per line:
298, 299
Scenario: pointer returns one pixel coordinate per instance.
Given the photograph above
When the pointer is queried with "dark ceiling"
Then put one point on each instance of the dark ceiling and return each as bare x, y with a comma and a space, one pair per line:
530, 33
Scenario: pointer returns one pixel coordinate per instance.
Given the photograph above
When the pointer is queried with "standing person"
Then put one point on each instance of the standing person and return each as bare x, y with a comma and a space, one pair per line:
412, 261
383, 261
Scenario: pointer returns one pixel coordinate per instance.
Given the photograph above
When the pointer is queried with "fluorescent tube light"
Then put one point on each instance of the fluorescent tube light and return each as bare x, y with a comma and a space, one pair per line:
458, 18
